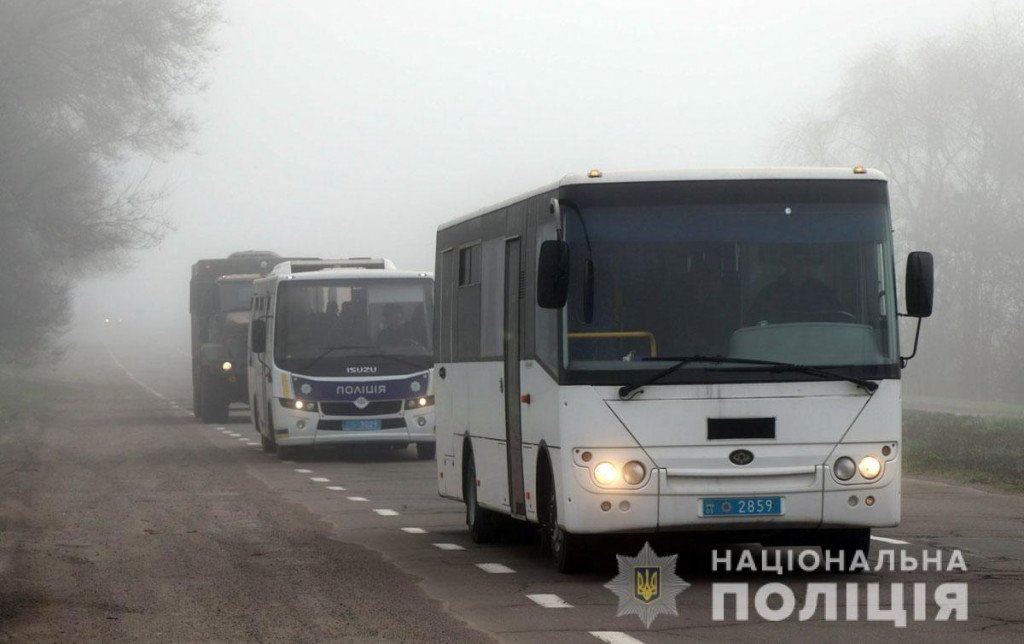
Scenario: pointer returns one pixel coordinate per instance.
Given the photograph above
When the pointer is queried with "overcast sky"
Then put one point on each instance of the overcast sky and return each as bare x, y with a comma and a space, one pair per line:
338, 128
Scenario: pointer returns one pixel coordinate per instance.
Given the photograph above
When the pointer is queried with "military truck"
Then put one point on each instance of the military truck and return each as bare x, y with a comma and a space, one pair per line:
219, 298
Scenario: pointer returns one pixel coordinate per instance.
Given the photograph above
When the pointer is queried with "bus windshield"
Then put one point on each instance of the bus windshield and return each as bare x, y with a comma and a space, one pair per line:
234, 296
376, 326
793, 277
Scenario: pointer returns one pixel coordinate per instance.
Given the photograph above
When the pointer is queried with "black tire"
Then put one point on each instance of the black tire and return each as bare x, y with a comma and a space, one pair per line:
213, 405
567, 550
426, 451
267, 440
847, 543
482, 523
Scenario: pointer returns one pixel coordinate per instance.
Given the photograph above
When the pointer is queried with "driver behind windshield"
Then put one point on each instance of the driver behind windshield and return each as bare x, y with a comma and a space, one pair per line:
796, 295
396, 329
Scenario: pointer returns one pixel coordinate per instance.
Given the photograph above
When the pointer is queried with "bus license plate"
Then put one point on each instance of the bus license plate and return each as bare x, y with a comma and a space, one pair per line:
741, 506
360, 425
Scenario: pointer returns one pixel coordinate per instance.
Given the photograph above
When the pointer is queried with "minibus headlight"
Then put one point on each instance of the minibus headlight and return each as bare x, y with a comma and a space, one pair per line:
299, 405
419, 402
870, 467
844, 468
605, 473
633, 472
227, 365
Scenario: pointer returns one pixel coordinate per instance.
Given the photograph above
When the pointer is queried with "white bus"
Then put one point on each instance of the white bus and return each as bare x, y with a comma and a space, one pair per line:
340, 352
711, 351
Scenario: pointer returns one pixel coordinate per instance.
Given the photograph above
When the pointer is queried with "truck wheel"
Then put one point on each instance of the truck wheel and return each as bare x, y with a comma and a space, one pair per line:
426, 451
267, 443
847, 543
483, 524
213, 406
567, 550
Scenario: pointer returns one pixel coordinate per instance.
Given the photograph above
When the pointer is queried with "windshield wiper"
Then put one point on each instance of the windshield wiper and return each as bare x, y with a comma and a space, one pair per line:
628, 391
326, 351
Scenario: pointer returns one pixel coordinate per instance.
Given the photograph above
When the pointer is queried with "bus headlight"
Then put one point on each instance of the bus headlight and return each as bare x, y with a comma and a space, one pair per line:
844, 468
870, 467
300, 405
633, 472
419, 402
227, 365
605, 473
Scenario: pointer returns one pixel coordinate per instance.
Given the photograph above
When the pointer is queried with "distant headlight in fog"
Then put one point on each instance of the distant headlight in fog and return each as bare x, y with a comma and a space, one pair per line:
226, 366
870, 467
844, 468
605, 473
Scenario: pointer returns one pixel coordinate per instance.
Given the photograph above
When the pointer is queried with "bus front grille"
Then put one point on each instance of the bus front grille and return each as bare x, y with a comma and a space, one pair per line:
375, 408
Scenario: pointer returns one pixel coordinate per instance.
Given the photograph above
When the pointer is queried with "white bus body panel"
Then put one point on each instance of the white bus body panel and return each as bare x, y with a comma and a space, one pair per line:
666, 429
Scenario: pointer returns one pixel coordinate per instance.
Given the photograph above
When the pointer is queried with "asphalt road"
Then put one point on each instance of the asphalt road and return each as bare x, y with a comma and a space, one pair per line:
124, 518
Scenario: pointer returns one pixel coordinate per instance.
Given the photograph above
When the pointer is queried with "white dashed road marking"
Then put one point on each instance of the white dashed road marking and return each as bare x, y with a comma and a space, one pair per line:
301, 471
550, 601
357, 498
895, 542
615, 637
448, 546
336, 488
495, 568
319, 479
384, 512
414, 530
253, 444
234, 435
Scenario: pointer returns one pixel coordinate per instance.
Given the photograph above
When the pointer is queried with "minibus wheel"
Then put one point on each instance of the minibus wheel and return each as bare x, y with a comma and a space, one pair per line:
482, 522
425, 451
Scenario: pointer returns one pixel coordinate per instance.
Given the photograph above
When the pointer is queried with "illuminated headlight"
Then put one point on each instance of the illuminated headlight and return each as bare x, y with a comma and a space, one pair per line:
844, 468
226, 366
605, 473
300, 405
419, 402
870, 467
633, 472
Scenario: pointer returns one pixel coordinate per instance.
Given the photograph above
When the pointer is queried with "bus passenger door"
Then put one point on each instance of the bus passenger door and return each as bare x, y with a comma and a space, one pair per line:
513, 411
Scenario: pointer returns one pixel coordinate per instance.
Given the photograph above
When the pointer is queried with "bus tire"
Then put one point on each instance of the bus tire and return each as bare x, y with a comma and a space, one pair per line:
213, 407
426, 451
567, 550
847, 543
482, 523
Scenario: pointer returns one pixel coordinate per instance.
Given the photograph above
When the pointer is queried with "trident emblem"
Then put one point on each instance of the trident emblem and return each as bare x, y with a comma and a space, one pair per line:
647, 585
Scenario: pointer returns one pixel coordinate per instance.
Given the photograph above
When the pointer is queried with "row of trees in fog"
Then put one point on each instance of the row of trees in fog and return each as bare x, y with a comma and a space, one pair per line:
84, 85
944, 119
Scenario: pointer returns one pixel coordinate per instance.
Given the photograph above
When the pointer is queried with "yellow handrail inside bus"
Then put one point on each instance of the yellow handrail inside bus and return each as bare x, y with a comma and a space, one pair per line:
615, 335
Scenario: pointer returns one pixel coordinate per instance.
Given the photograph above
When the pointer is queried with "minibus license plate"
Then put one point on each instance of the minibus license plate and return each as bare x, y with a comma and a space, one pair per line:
360, 425
741, 506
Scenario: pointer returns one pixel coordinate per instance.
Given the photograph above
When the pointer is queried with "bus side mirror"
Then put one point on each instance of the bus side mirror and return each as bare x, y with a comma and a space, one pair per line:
919, 284
553, 274
258, 336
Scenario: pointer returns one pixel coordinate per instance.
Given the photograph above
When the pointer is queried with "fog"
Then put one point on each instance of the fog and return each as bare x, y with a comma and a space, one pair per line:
338, 129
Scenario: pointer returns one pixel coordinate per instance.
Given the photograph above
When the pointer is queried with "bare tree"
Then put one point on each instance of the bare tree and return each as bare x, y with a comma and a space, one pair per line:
83, 85
944, 118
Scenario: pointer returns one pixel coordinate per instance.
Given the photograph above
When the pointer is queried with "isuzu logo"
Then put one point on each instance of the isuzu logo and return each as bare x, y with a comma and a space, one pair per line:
741, 457
362, 370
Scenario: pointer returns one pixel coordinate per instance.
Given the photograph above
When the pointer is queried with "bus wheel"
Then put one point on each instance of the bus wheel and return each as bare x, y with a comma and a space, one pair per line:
426, 451
566, 549
847, 543
213, 408
482, 523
